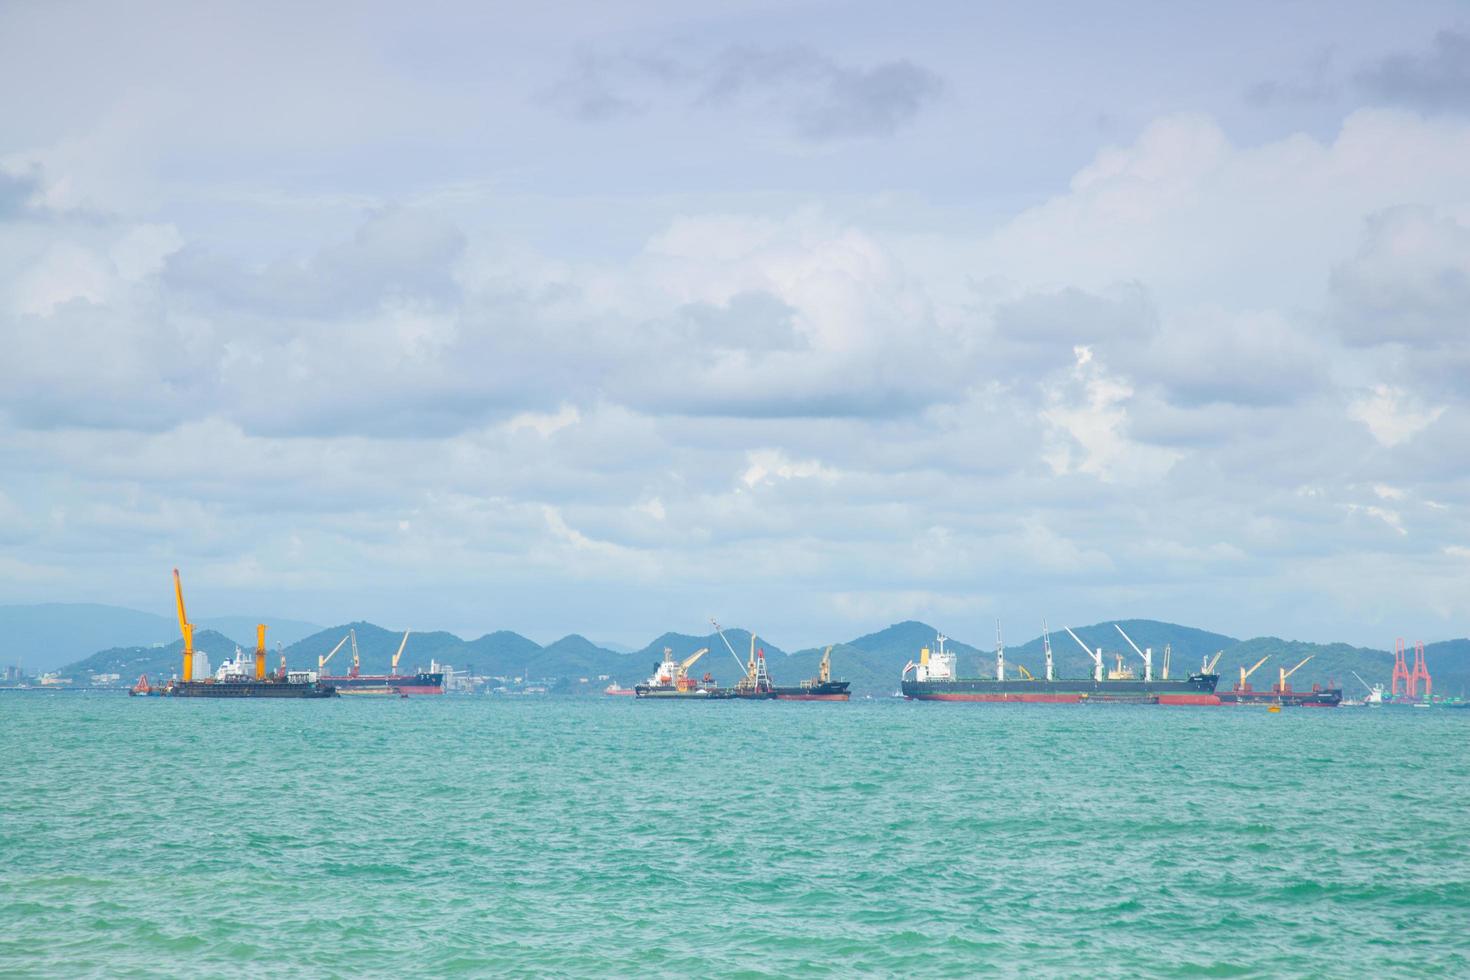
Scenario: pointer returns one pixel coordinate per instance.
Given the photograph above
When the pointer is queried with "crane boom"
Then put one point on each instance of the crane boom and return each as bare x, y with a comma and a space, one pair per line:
186, 628
1245, 674
693, 658
1213, 662
1284, 674
403, 643
743, 668
1097, 664
321, 662
1148, 658
355, 662
824, 672
1361, 681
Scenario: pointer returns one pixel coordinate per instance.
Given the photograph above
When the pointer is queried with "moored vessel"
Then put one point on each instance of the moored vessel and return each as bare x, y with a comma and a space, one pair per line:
1281, 694
671, 680
935, 678
391, 684
819, 688
235, 677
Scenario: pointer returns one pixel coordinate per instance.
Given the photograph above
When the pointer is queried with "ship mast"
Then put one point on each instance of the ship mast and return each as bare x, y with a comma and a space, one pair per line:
1000, 654
1046, 647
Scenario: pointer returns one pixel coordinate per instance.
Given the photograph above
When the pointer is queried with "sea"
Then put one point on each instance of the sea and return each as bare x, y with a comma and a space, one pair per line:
609, 837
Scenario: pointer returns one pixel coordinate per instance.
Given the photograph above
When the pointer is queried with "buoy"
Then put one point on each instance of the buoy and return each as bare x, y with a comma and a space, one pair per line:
1275, 709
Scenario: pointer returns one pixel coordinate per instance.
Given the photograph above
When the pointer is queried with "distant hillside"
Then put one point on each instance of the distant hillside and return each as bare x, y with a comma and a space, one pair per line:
157, 661
45, 637
872, 663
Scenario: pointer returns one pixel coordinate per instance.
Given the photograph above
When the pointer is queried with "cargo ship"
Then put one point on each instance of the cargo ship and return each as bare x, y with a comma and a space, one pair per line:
756, 684
1281, 694
934, 678
671, 681
392, 684
235, 678
819, 688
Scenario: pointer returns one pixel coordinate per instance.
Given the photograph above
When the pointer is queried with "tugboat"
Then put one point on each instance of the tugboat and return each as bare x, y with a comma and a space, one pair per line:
233, 679
671, 680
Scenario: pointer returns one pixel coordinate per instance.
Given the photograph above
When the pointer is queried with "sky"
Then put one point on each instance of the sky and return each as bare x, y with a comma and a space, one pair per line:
812, 317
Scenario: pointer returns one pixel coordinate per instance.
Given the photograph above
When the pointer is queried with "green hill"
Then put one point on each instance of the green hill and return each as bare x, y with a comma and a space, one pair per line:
871, 663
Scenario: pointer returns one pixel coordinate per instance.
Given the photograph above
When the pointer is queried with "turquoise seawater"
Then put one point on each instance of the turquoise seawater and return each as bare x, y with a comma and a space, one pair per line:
608, 837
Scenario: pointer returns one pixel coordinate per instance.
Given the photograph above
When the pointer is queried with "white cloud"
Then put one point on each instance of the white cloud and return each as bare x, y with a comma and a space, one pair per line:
1393, 415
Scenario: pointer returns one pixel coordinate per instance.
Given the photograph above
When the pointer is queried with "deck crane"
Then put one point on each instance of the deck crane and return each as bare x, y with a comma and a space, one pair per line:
1208, 664
824, 669
681, 679
744, 668
260, 651
1046, 647
321, 662
394, 669
356, 663
1244, 674
1147, 655
1000, 654
1166, 661
1097, 663
1284, 673
186, 628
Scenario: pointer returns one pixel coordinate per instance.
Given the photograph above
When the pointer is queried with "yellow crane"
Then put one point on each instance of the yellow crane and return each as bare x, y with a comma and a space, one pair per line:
1025, 674
1246, 673
824, 669
321, 662
681, 677
1208, 667
396, 656
260, 651
186, 628
1281, 684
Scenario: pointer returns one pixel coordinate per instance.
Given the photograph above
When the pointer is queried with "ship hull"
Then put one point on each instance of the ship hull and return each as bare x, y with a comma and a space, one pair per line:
1330, 698
248, 689
388, 684
817, 691
650, 692
1198, 689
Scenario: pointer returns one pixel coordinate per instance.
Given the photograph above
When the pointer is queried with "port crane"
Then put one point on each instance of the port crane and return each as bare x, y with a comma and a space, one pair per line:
1097, 661
399, 654
1281, 683
186, 628
1147, 655
1245, 674
321, 662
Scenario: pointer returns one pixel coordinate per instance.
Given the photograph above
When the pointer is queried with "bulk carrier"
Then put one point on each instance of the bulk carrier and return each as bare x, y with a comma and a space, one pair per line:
934, 678
391, 684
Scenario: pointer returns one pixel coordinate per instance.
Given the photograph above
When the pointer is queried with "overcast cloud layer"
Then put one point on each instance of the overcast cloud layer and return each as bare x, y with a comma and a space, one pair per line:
813, 317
